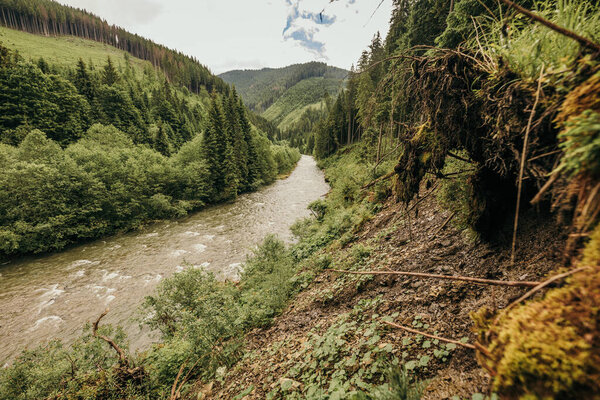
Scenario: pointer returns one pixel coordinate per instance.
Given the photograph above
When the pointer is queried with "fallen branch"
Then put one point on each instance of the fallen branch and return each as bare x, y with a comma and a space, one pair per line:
541, 286
456, 342
459, 158
381, 178
550, 153
544, 189
383, 157
522, 168
447, 277
423, 198
444, 224
582, 40
122, 357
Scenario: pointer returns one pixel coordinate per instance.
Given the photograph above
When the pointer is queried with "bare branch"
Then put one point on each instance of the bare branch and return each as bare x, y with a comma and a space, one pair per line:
381, 178
122, 357
405, 328
543, 285
447, 277
522, 168
445, 223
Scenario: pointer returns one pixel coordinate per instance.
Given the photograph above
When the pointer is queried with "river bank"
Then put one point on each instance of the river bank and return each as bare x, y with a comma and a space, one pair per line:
53, 296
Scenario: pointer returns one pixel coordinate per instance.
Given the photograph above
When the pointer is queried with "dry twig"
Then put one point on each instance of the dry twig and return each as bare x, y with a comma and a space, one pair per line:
381, 178
456, 342
122, 357
541, 286
447, 277
445, 223
522, 169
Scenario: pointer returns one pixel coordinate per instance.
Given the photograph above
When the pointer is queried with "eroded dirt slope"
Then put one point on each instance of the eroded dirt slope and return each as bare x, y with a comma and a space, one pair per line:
332, 331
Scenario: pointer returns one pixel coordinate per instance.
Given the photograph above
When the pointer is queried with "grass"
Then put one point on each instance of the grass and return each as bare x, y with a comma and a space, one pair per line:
66, 50
295, 115
529, 46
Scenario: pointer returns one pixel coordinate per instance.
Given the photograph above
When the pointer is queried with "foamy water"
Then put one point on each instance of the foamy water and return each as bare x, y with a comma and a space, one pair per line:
48, 297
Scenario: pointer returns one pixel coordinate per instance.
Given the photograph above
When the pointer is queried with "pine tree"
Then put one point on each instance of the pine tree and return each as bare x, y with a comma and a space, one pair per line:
83, 82
110, 76
235, 137
212, 148
230, 174
43, 65
160, 139
252, 162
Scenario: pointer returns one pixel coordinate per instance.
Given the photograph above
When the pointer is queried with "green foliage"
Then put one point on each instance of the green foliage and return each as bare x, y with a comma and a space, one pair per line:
85, 370
202, 319
581, 145
261, 88
101, 184
398, 387
530, 46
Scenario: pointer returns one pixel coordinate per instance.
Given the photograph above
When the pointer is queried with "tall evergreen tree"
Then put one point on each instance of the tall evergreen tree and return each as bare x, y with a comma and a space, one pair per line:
83, 81
235, 137
110, 76
212, 147
252, 162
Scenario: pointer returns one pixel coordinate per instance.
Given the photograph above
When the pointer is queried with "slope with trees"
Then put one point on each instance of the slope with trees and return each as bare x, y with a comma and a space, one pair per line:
87, 151
456, 256
47, 17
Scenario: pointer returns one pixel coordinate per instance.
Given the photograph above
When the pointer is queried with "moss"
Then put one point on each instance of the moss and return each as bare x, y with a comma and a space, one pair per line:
591, 253
550, 349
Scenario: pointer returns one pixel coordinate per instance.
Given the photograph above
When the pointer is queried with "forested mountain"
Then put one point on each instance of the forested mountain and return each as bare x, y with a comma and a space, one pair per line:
47, 17
261, 88
122, 140
289, 97
457, 255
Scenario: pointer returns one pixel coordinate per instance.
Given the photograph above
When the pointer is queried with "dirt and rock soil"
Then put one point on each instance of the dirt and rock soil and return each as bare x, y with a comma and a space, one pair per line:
404, 244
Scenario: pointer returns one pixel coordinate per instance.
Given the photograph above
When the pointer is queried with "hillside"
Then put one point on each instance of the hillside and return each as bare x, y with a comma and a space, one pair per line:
126, 142
308, 93
297, 86
47, 17
456, 255
66, 50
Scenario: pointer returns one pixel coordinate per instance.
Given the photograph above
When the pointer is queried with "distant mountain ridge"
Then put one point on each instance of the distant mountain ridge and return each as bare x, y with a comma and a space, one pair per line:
275, 93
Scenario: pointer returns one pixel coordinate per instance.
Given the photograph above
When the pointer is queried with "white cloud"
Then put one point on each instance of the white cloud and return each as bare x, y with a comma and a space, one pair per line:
238, 34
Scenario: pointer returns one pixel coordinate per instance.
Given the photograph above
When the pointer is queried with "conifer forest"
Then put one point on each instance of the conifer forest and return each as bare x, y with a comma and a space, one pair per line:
421, 224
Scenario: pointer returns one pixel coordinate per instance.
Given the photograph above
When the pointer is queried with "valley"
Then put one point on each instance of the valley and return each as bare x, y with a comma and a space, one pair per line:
422, 224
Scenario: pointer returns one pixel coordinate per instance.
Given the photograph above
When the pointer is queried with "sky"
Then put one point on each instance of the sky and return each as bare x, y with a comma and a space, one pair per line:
252, 34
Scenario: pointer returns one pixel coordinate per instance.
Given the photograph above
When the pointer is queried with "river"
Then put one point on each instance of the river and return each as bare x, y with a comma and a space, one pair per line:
53, 296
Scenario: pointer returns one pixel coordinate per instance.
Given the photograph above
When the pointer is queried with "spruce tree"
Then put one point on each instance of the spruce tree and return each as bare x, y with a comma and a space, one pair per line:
252, 162
230, 174
161, 140
212, 148
110, 76
83, 82
235, 138
43, 65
